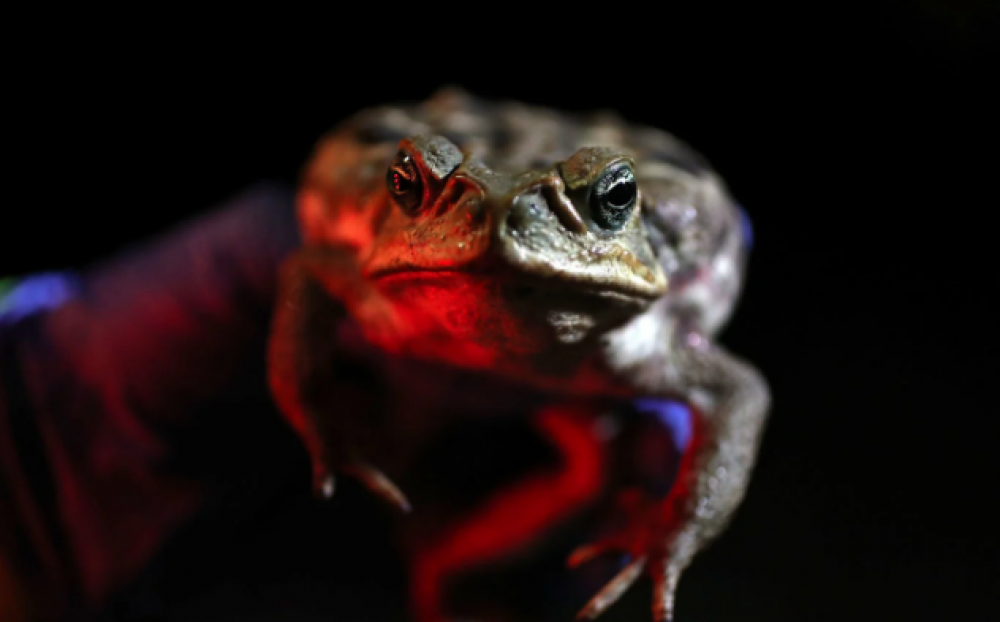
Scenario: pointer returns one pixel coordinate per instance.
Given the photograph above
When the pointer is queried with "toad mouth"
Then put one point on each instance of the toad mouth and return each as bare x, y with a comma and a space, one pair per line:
525, 285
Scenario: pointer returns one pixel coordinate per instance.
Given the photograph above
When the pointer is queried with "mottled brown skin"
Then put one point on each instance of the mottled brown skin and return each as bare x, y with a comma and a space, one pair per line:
486, 253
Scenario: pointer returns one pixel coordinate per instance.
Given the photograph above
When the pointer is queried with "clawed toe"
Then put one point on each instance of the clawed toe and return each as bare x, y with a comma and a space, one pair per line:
378, 483
324, 484
613, 590
643, 536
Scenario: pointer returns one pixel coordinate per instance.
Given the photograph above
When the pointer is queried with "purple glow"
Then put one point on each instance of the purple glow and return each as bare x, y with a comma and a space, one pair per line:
747, 227
673, 414
37, 293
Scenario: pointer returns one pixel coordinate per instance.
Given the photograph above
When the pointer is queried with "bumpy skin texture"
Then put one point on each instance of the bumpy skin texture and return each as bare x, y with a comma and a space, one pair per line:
474, 236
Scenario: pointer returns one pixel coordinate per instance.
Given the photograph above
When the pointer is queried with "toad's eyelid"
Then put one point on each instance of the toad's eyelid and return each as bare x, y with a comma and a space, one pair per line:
613, 175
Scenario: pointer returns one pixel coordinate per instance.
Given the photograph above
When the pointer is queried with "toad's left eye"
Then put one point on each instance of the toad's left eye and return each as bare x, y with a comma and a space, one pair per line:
404, 183
613, 197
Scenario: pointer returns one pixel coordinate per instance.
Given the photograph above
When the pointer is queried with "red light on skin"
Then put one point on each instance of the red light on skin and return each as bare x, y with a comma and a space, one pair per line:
353, 227
681, 490
520, 515
456, 317
473, 321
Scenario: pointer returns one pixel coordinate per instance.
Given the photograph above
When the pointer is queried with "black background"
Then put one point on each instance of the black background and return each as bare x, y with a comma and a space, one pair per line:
859, 140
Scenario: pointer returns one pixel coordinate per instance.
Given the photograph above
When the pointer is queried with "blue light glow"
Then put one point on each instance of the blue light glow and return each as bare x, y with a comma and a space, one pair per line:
35, 294
673, 414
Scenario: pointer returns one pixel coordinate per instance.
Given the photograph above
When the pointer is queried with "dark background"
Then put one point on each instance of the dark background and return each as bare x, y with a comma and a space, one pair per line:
859, 140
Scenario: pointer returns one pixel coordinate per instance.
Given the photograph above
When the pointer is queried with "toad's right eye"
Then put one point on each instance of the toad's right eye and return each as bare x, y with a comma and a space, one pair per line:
613, 197
404, 183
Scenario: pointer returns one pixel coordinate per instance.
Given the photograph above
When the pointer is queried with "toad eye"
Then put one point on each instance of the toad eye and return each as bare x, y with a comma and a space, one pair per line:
613, 197
404, 183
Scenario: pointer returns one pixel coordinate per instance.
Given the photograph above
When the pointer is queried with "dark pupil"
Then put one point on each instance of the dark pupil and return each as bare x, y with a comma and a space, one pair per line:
621, 194
614, 199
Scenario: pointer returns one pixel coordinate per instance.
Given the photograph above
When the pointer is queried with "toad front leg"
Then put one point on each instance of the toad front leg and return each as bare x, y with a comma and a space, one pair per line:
664, 535
328, 400
510, 521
